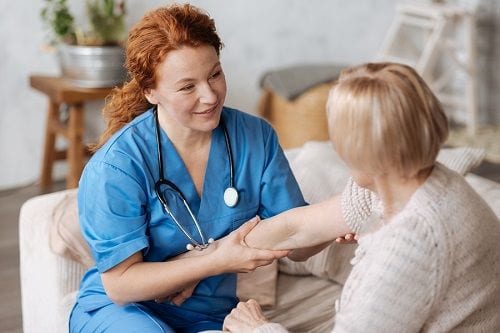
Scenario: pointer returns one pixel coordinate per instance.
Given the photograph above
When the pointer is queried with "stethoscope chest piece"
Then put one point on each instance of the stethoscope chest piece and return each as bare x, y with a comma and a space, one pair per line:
231, 197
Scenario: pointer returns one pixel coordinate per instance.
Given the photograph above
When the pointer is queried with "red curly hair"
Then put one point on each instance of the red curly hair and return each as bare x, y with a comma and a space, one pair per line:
157, 33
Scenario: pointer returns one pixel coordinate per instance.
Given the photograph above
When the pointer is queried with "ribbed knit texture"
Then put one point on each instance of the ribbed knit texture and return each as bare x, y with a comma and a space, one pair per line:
433, 268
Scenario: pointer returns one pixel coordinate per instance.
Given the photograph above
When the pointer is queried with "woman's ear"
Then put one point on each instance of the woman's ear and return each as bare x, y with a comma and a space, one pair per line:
150, 96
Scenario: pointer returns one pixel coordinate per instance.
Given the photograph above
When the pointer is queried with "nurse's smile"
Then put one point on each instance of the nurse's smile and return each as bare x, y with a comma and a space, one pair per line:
208, 111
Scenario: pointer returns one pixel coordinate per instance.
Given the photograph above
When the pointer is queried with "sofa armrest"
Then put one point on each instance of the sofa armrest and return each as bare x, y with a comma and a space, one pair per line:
48, 281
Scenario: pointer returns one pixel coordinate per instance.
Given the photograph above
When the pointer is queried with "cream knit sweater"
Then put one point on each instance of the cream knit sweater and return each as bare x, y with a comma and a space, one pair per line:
434, 268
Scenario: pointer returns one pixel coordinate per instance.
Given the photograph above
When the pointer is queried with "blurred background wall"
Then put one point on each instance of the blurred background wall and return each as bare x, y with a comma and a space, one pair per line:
258, 36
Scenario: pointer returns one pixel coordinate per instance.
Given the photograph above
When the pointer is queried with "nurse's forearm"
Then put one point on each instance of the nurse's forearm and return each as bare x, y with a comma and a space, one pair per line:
134, 280
300, 227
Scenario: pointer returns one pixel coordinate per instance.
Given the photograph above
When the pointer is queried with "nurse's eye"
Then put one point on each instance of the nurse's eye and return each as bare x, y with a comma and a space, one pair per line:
187, 87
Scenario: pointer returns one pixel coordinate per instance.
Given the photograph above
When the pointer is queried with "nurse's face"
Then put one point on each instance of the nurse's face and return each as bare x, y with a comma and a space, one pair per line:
191, 88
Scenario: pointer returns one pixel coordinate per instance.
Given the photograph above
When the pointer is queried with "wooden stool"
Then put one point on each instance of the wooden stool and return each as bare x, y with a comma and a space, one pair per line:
61, 93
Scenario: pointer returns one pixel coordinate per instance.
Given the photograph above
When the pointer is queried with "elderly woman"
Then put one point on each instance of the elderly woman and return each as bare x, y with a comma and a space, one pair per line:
428, 255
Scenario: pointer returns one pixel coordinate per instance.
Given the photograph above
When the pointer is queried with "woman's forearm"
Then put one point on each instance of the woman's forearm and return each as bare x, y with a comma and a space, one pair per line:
305, 253
300, 227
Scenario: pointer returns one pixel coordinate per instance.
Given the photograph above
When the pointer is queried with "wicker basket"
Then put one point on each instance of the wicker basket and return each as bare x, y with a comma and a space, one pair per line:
300, 120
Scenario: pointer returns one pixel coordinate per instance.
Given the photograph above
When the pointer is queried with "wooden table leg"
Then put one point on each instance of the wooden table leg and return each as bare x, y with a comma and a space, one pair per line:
49, 147
76, 151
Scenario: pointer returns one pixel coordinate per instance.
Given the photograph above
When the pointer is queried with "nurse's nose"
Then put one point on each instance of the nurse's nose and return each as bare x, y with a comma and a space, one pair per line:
207, 94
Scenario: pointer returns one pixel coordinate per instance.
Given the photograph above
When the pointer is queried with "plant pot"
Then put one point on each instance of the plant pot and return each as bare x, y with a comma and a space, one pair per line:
92, 66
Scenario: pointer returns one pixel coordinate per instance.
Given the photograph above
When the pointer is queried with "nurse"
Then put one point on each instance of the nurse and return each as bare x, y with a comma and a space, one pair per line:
174, 171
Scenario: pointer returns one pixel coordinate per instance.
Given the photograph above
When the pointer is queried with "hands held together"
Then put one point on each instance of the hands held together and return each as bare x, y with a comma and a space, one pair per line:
232, 255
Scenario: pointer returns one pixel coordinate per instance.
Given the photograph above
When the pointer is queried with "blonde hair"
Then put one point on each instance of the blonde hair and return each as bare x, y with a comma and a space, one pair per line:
383, 117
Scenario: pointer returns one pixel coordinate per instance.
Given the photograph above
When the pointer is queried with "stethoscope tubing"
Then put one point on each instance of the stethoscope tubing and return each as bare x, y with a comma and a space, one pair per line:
162, 181
171, 214
229, 152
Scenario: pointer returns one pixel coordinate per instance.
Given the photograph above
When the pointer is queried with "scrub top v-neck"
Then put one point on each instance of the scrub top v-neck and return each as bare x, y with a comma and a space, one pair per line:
120, 213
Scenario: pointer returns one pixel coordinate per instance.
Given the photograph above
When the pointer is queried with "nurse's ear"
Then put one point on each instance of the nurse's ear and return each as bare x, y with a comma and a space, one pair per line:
150, 95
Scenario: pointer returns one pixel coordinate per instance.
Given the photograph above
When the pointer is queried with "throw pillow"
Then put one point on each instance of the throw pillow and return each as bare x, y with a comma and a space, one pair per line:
461, 159
65, 236
260, 285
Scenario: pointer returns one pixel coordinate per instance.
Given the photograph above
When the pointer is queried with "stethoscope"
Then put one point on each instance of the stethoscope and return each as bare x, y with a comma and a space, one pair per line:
230, 194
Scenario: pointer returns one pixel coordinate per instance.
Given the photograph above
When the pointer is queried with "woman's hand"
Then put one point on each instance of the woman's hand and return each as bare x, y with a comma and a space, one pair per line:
236, 257
347, 239
245, 317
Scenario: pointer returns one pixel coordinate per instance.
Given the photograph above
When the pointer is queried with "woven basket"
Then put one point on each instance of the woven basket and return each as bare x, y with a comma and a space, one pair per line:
300, 120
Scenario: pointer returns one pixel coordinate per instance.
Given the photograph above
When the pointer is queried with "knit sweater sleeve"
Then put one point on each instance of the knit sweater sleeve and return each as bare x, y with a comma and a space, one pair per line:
395, 286
357, 205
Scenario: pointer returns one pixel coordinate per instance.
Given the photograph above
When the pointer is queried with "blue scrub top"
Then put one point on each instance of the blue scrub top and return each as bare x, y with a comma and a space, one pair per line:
120, 213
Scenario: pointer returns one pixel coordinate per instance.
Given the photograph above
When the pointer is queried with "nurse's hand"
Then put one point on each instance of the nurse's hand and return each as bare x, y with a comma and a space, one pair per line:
184, 294
179, 297
234, 256
244, 318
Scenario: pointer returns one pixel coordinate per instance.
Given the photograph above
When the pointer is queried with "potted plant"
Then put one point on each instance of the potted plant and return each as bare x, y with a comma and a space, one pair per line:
92, 57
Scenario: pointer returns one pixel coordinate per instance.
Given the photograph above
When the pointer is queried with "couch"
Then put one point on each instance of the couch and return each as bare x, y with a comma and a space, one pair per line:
301, 296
